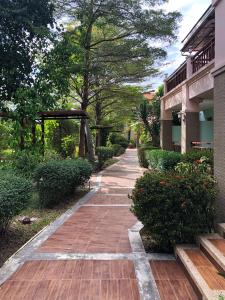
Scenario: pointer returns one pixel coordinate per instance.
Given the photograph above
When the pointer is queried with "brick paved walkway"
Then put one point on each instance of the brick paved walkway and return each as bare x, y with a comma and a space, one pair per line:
90, 253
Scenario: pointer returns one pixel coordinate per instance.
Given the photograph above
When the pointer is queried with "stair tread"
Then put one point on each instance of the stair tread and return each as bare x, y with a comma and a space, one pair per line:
208, 271
219, 244
172, 281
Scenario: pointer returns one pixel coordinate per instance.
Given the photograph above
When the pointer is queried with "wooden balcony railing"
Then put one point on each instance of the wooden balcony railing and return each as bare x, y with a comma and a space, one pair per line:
203, 57
178, 77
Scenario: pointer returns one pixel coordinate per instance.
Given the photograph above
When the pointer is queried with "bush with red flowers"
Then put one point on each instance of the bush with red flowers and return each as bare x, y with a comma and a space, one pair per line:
174, 208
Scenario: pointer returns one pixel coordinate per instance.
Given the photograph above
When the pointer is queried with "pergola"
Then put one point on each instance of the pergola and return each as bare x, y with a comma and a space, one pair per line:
51, 115
57, 115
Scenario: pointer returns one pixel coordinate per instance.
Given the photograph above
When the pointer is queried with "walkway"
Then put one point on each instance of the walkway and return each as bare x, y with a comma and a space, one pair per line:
93, 251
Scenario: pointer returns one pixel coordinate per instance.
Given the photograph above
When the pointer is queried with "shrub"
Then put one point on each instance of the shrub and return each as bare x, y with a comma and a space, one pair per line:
103, 154
162, 160
24, 162
142, 155
15, 193
58, 179
115, 138
173, 208
132, 144
195, 155
117, 150
85, 169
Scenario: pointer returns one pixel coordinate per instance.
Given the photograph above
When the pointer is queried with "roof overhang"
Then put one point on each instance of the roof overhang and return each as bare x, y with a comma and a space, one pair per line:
202, 33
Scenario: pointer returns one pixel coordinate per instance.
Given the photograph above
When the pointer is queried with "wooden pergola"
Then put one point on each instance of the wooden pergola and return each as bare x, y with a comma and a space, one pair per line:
51, 115
57, 115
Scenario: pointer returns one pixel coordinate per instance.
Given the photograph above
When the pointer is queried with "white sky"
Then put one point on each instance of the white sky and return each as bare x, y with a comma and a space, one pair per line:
191, 11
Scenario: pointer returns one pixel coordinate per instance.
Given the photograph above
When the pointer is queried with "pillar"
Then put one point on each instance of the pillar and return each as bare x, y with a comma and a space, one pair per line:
190, 124
43, 134
219, 107
166, 138
190, 130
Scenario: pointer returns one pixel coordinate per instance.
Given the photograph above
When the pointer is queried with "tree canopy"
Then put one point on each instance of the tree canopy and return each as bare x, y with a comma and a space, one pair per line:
24, 29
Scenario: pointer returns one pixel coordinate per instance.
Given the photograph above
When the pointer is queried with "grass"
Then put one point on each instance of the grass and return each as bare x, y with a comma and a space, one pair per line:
18, 234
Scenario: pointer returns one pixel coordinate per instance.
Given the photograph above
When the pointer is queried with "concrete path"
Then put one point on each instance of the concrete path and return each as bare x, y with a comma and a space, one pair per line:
93, 251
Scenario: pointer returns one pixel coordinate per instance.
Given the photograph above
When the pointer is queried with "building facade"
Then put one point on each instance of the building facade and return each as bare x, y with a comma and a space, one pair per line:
195, 94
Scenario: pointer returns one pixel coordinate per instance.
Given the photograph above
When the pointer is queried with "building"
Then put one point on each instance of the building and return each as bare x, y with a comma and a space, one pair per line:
196, 93
149, 95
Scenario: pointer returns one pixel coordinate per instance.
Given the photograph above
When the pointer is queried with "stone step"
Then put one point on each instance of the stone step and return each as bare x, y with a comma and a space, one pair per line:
213, 246
204, 275
221, 229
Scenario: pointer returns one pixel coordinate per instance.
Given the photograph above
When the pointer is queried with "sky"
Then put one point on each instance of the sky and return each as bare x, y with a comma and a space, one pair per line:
191, 11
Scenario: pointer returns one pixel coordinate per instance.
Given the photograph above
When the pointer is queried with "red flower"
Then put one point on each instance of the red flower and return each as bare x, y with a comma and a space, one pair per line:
162, 182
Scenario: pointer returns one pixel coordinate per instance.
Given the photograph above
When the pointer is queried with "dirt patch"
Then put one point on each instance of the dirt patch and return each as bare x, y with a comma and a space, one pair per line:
18, 234
150, 244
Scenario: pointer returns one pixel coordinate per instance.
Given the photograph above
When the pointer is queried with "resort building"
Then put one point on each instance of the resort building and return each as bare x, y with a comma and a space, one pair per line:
193, 105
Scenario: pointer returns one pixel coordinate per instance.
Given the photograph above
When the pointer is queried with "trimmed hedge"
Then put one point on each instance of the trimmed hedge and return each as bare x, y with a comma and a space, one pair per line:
15, 193
142, 155
174, 208
162, 160
117, 150
58, 179
115, 138
104, 153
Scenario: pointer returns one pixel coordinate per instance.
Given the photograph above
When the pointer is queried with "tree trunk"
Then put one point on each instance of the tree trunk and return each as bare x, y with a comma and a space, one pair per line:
98, 118
91, 155
22, 138
85, 94
82, 138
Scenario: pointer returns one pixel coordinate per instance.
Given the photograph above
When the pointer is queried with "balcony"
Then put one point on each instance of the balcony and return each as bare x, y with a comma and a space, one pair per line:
204, 57
198, 61
177, 77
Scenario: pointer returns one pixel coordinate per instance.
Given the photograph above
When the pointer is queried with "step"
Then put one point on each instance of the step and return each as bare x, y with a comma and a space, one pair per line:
202, 272
221, 229
172, 281
213, 245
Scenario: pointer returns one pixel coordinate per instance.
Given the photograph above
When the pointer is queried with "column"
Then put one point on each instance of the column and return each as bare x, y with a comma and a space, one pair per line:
190, 124
219, 107
166, 139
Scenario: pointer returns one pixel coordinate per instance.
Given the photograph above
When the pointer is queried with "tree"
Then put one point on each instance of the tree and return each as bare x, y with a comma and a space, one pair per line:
24, 29
149, 114
25, 38
116, 21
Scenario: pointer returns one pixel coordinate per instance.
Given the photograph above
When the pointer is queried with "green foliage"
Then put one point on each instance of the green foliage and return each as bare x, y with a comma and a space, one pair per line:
65, 137
24, 162
57, 180
162, 160
201, 166
117, 149
115, 138
24, 31
103, 153
15, 193
149, 114
143, 162
5, 134
195, 155
174, 208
